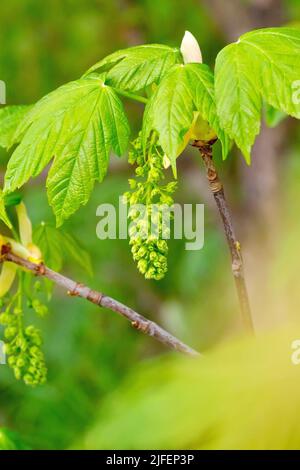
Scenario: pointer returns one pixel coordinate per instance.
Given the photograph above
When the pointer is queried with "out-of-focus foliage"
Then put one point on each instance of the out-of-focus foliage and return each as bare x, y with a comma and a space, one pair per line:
11, 441
58, 245
246, 395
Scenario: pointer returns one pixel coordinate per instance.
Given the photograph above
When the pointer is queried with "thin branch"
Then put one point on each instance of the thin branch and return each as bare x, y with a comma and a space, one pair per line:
205, 149
73, 288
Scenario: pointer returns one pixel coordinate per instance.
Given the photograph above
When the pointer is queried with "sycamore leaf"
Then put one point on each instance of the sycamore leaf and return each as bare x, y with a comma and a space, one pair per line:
238, 99
78, 125
186, 90
278, 65
137, 67
3, 214
10, 118
262, 65
57, 245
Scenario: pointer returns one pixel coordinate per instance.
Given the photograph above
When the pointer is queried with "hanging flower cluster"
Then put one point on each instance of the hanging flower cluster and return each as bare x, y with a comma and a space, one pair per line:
22, 343
148, 231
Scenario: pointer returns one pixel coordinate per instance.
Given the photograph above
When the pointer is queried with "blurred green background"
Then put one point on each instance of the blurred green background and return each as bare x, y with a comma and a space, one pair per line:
92, 353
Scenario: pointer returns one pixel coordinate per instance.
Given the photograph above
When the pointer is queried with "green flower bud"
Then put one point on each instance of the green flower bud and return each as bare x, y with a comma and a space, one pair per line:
28, 379
132, 183
10, 332
4, 319
11, 361
20, 362
142, 266
139, 171
17, 373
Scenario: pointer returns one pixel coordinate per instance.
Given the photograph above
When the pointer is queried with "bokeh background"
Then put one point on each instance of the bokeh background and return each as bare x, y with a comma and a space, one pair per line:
92, 353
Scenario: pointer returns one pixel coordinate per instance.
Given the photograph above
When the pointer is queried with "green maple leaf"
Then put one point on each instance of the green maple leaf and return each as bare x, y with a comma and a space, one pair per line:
10, 118
185, 90
77, 125
136, 68
263, 65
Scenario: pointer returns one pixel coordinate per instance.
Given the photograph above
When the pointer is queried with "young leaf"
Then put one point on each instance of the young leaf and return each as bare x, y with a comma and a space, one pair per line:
56, 245
262, 65
238, 99
10, 118
136, 68
3, 214
78, 124
185, 90
278, 65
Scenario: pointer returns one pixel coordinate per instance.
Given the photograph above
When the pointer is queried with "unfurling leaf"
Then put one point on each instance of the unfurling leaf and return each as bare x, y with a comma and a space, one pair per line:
190, 49
7, 277
78, 125
25, 226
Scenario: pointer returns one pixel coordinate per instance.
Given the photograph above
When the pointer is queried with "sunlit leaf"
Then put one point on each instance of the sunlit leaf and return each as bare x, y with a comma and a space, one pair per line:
79, 125
261, 65
137, 67
10, 118
185, 90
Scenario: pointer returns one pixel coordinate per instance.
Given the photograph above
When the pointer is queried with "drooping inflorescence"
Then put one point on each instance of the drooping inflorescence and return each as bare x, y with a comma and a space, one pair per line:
149, 201
18, 290
22, 343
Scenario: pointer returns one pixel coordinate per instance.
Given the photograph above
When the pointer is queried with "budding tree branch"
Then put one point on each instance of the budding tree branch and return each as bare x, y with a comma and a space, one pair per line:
73, 288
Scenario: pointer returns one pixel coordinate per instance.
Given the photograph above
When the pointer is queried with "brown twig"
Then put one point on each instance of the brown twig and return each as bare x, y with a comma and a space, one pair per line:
73, 288
205, 149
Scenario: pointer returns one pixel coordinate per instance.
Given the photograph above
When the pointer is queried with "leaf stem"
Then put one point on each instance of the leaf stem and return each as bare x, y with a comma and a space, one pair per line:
205, 149
132, 96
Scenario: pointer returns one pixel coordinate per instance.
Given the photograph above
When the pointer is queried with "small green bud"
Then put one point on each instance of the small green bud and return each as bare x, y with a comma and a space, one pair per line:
132, 183
20, 362
142, 266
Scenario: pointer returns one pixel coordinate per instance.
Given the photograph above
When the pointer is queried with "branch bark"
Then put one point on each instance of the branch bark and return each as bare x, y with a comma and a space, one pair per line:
216, 187
76, 289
